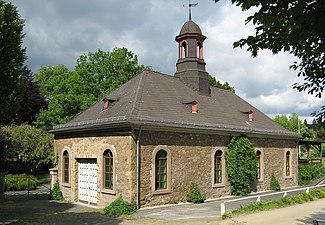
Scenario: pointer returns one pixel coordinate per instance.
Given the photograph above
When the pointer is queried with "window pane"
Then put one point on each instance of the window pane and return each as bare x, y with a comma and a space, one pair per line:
288, 164
218, 167
66, 167
108, 174
258, 170
161, 170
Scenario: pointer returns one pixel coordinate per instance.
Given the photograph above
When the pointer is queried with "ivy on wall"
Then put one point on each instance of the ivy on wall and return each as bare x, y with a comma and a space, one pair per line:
241, 164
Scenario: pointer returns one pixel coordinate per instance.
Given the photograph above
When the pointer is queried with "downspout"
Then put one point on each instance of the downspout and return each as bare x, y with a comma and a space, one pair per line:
138, 167
297, 167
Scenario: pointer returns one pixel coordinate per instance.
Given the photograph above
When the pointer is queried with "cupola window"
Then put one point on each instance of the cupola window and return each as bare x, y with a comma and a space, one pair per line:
183, 50
199, 50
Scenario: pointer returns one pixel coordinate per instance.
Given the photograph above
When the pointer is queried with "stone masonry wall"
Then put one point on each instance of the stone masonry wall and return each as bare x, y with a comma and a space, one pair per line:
191, 161
93, 148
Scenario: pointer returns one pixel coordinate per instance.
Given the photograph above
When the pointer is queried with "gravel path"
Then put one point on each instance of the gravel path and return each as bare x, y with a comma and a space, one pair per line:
39, 212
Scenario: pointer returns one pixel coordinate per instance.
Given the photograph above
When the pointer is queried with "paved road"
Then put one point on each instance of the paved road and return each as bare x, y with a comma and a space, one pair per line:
208, 210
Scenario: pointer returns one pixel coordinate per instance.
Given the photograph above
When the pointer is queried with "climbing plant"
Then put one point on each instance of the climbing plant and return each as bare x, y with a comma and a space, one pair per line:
241, 164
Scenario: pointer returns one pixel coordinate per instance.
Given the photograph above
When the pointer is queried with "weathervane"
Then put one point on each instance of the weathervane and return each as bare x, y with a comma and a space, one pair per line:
190, 5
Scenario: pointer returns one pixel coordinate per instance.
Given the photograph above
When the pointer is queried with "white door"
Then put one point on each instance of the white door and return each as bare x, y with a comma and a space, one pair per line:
87, 180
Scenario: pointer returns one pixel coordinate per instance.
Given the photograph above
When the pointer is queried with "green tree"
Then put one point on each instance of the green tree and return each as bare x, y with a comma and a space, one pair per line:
292, 123
215, 83
95, 75
294, 26
12, 59
241, 164
28, 144
106, 71
33, 101
67, 94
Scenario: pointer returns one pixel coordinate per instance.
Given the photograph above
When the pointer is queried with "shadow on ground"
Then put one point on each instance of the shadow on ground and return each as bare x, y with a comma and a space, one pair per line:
309, 219
18, 211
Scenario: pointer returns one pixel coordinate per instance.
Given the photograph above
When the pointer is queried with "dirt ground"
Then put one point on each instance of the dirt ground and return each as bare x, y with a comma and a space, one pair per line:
47, 212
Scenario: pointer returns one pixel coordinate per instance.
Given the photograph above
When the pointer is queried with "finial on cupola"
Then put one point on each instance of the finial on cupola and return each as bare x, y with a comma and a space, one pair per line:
190, 5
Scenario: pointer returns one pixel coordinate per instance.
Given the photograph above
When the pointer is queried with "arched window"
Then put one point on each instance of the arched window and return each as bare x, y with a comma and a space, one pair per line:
108, 169
199, 50
66, 167
287, 164
183, 51
161, 170
218, 167
259, 170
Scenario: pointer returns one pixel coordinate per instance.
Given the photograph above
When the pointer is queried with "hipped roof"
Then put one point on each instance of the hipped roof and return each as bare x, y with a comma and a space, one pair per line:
159, 100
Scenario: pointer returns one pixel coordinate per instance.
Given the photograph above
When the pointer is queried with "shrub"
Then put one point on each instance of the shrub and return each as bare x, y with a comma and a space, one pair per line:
309, 172
194, 195
120, 207
316, 193
274, 184
20, 182
56, 192
241, 164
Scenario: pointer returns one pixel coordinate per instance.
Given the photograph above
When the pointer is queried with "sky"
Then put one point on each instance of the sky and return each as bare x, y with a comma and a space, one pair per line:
59, 31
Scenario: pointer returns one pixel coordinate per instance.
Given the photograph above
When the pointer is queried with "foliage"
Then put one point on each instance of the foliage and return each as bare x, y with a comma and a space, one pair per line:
241, 164
279, 203
213, 82
174, 201
194, 195
95, 75
56, 192
12, 59
320, 134
33, 101
28, 144
20, 182
310, 172
291, 26
274, 184
67, 93
120, 207
291, 124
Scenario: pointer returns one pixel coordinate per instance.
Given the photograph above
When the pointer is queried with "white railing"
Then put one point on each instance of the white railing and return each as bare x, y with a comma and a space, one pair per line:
258, 197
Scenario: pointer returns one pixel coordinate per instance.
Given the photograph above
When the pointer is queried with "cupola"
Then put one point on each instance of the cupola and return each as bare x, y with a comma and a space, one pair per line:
190, 66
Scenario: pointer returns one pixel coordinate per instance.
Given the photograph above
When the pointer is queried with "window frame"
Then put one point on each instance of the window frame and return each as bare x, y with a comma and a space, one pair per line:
183, 49
168, 170
66, 162
213, 168
261, 164
103, 175
287, 164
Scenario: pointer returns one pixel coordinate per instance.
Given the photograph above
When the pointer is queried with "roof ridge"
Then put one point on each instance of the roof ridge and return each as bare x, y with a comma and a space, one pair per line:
138, 96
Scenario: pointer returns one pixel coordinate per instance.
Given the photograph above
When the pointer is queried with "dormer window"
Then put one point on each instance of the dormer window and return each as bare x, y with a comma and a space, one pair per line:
105, 104
250, 116
194, 107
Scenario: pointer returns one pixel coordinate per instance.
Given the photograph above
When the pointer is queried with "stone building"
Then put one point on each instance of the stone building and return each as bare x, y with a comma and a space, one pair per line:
156, 134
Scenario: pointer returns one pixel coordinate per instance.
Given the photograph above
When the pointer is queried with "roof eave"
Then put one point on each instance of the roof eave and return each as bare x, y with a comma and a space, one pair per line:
178, 127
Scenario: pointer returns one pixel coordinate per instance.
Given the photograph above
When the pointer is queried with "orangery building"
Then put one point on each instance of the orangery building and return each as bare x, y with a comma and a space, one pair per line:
156, 134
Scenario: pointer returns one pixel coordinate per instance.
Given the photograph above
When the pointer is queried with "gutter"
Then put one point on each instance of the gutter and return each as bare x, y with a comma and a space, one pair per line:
138, 168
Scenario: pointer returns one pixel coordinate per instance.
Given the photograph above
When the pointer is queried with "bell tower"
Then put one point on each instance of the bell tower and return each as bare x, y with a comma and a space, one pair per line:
190, 66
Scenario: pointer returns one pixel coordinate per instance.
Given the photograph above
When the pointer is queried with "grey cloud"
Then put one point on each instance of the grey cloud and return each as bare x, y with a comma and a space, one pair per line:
57, 32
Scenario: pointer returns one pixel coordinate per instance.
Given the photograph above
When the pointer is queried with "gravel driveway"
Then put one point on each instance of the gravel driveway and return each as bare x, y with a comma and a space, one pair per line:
41, 212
